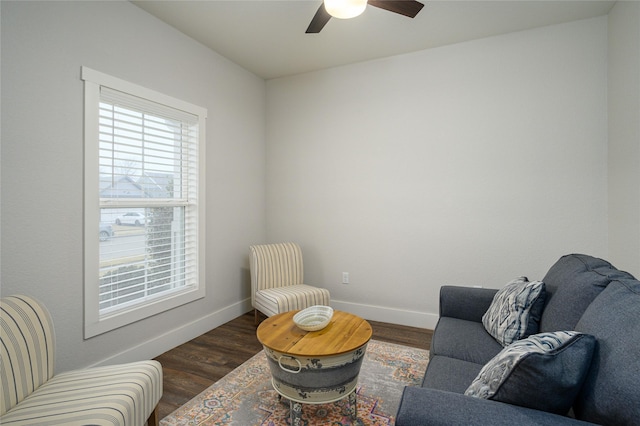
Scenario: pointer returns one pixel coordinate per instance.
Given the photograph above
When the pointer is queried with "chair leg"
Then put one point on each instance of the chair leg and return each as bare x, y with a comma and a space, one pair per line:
255, 316
153, 418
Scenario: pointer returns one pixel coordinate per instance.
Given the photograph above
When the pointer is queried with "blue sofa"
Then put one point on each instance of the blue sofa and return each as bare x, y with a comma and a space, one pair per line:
584, 294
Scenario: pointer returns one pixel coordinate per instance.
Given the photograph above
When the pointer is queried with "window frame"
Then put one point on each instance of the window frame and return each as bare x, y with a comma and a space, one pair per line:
94, 322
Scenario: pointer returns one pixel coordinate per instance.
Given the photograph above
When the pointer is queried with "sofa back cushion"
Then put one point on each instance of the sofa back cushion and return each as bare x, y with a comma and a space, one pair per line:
27, 349
572, 283
611, 392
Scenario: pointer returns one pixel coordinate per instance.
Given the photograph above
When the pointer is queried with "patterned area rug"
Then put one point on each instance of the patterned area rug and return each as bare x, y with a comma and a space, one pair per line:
245, 396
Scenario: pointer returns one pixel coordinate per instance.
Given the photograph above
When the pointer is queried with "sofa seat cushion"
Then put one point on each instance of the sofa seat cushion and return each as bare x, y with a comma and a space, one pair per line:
611, 392
464, 340
433, 407
449, 374
515, 311
543, 372
572, 283
114, 395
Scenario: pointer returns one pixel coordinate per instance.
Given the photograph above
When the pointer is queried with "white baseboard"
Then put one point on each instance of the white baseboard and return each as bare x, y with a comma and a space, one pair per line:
158, 345
390, 315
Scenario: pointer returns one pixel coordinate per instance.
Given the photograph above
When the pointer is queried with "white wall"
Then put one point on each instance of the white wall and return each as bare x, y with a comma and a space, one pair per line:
44, 44
624, 136
469, 164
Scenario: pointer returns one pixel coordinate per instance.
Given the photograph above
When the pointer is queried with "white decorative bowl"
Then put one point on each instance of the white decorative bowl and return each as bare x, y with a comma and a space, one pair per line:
313, 318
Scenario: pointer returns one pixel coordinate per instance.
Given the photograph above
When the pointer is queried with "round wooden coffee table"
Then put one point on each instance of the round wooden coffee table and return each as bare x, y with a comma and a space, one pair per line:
315, 367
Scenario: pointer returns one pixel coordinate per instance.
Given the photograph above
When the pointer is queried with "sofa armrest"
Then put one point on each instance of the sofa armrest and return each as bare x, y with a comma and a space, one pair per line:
424, 406
467, 303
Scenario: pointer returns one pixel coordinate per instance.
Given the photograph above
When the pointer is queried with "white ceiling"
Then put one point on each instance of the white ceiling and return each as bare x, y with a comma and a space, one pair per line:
267, 37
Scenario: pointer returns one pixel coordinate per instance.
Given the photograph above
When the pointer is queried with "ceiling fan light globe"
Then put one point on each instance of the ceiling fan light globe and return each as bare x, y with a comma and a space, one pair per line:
345, 9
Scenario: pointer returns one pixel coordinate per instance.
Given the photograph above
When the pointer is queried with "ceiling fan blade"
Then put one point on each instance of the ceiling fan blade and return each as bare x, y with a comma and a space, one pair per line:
408, 8
319, 20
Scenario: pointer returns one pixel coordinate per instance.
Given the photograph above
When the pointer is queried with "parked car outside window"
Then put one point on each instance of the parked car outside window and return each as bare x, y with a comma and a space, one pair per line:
106, 231
131, 218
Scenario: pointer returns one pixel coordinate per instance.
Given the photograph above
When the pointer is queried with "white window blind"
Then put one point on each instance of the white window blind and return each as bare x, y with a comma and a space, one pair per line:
149, 211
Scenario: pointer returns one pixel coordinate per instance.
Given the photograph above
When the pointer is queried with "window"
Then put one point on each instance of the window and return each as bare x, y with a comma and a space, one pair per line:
144, 202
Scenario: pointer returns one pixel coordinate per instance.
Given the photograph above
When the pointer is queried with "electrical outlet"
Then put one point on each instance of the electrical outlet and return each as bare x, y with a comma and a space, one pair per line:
345, 278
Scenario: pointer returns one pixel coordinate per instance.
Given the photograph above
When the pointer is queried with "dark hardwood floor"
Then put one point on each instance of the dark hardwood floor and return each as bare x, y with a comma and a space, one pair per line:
194, 366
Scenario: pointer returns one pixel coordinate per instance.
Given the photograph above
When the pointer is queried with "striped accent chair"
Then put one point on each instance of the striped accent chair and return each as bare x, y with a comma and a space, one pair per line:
32, 394
277, 277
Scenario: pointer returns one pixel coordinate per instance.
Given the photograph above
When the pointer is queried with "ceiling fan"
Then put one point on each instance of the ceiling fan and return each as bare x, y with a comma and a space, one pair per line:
345, 9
